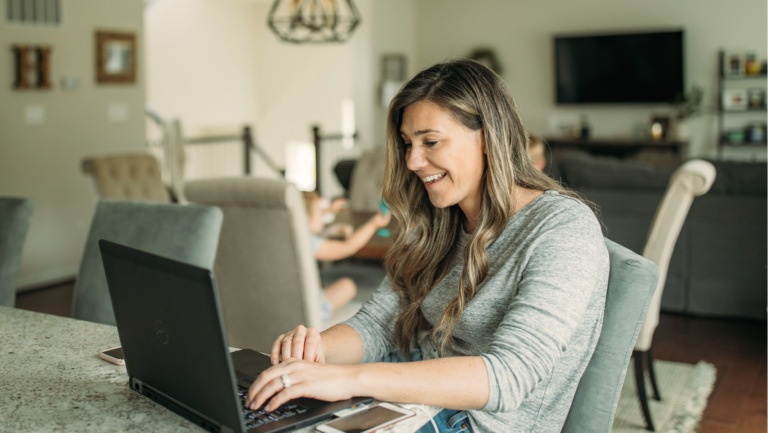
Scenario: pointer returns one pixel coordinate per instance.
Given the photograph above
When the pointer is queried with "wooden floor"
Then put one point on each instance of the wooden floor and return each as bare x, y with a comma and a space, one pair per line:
737, 348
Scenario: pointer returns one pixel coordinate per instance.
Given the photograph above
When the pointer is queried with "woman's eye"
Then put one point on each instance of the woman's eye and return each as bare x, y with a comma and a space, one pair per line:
430, 143
407, 145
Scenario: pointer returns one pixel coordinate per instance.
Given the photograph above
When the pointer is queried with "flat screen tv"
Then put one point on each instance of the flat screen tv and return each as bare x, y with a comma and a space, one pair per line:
619, 68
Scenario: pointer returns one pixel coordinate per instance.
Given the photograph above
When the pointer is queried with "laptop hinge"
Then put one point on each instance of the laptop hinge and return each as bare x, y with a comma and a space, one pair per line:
169, 402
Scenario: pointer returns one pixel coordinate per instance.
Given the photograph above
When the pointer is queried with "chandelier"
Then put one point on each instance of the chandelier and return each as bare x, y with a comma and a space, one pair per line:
313, 21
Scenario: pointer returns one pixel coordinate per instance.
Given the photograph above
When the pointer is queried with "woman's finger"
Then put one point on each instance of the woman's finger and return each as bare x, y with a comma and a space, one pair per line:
299, 337
311, 345
276, 346
271, 388
264, 378
287, 343
284, 396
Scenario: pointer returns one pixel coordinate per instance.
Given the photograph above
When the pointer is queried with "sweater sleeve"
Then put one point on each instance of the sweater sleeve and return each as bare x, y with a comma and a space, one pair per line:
375, 322
562, 274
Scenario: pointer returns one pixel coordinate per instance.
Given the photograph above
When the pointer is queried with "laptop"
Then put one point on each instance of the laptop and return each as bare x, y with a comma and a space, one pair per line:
175, 347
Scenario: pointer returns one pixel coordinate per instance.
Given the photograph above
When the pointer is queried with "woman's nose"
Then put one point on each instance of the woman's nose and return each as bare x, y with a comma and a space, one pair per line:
416, 158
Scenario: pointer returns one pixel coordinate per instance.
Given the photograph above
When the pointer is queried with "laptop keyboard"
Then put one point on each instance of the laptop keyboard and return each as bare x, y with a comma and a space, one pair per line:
258, 417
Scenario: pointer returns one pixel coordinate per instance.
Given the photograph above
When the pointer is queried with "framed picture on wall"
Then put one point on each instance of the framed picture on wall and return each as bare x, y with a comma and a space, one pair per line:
735, 100
115, 57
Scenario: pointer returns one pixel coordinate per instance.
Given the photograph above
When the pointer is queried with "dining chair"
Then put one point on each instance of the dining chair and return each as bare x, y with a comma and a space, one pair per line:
690, 180
127, 177
631, 284
188, 234
266, 274
15, 215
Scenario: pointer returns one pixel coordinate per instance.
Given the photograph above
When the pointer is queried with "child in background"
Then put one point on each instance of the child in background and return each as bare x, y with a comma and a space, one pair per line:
341, 291
536, 151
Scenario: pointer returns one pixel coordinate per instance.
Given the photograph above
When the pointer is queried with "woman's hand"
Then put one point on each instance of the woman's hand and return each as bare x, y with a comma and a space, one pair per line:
301, 343
307, 379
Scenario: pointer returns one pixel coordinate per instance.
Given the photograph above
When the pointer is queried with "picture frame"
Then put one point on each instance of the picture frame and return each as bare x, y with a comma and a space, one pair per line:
733, 64
755, 98
115, 57
735, 100
393, 67
393, 76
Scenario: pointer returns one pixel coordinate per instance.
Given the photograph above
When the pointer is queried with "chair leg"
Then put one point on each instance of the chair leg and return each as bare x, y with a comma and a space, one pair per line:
652, 373
641, 394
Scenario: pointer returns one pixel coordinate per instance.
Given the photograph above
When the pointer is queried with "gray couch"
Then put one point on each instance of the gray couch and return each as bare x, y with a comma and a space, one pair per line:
718, 267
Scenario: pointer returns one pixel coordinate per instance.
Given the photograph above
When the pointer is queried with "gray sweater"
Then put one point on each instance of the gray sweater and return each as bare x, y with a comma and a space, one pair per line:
535, 320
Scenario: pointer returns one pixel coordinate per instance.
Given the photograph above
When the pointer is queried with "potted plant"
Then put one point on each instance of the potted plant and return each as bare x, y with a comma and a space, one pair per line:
686, 106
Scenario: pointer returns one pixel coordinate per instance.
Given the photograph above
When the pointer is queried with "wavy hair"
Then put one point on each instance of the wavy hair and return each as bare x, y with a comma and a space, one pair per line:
425, 239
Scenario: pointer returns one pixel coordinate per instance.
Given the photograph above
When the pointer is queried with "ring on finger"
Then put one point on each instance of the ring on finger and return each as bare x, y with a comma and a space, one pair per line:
288, 338
286, 381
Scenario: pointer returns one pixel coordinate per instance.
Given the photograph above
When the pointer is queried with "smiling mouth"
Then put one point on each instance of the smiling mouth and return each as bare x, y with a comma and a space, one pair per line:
429, 180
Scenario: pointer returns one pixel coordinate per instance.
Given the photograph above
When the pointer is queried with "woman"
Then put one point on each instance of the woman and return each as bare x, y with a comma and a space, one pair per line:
497, 272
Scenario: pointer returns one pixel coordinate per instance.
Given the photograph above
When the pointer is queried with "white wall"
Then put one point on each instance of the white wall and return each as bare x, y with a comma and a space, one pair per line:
43, 161
394, 24
521, 33
216, 65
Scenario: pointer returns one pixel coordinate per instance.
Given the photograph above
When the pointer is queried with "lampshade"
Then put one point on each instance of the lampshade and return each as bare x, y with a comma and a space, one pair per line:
313, 21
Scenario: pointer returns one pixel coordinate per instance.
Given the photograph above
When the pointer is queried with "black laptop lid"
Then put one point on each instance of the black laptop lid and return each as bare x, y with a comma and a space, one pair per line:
168, 319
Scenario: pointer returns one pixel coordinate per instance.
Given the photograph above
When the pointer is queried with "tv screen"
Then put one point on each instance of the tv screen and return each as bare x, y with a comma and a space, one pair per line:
623, 68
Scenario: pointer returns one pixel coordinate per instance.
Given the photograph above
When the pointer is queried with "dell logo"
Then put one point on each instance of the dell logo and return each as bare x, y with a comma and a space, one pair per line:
161, 332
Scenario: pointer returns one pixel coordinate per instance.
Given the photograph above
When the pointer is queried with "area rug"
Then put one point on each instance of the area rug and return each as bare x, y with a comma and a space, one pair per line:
684, 389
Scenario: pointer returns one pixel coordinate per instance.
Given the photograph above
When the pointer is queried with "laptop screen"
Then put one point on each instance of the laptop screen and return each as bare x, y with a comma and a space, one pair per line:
168, 319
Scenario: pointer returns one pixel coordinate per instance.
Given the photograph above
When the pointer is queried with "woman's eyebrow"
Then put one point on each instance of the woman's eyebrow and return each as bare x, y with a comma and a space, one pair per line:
420, 132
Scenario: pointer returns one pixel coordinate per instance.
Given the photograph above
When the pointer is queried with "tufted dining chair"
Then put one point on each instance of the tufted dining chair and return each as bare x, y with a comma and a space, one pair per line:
690, 180
15, 215
127, 177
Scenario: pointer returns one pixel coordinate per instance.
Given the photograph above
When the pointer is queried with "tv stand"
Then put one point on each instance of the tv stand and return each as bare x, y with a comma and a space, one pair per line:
619, 147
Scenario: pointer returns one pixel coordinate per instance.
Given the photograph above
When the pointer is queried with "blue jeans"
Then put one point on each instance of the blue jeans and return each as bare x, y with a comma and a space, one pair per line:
447, 420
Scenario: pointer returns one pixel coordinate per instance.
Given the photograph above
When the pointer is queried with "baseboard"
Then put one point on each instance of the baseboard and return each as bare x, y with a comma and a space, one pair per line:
69, 279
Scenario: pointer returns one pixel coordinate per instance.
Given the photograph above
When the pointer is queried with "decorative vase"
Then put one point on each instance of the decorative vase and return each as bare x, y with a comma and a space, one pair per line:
682, 131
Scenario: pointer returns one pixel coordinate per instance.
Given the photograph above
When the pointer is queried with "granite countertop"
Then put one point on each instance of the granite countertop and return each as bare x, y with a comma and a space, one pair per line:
51, 378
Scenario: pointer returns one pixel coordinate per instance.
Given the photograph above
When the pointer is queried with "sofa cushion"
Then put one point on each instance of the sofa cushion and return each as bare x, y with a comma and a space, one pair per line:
747, 178
580, 170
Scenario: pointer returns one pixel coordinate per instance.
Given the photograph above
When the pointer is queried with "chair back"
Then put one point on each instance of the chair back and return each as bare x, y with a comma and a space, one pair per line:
127, 177
691, 179
631, 284
366, 184
266, 274
188, 234
15, 214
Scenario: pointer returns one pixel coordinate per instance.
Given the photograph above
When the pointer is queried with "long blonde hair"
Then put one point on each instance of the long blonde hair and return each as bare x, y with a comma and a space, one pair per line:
425, 238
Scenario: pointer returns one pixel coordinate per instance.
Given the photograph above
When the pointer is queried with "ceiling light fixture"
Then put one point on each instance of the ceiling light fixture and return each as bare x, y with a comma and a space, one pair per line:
313, 21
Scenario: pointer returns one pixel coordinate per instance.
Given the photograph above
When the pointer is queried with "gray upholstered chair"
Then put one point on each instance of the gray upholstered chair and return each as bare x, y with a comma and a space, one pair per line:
266, 274
186, 233
690, 180
127, 177
631, 284
15, 214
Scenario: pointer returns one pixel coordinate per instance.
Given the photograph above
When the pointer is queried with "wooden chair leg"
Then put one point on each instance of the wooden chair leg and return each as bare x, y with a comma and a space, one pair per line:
652, 373
641, 394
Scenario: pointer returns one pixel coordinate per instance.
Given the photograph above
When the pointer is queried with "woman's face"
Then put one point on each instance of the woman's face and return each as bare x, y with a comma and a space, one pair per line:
448, 157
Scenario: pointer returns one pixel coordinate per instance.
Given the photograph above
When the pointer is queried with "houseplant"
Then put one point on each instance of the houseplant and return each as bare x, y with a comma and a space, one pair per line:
686, 106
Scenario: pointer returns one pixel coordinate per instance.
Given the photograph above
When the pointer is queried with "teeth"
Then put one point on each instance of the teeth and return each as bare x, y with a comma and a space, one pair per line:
432, 178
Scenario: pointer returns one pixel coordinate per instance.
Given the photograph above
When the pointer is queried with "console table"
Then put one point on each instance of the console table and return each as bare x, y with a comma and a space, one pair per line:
52, 378
621, 147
